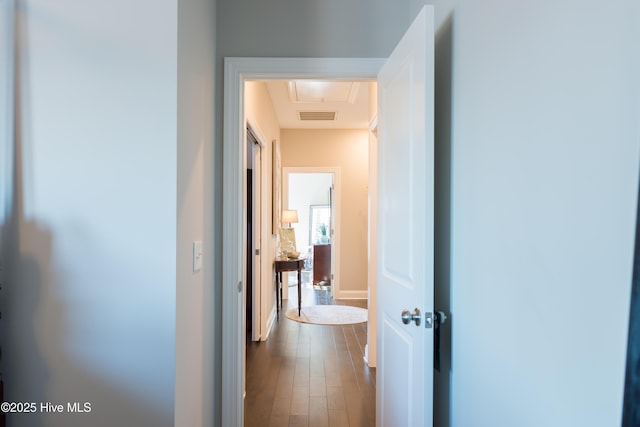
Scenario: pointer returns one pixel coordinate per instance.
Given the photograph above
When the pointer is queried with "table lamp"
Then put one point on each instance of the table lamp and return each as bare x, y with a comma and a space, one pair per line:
289, 216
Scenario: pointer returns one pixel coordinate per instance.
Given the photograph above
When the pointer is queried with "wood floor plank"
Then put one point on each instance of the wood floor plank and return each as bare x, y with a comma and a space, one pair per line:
275, 421
316, 366
300, 401
332, 373
335, 398
298, 420
318, 412
338, 418
281, 404
317, 386
301, 375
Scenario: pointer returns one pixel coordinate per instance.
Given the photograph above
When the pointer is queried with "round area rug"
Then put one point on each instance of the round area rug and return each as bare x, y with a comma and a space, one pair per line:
329, 314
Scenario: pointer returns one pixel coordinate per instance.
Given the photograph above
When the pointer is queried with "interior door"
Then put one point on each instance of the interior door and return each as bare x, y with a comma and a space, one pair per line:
404, 396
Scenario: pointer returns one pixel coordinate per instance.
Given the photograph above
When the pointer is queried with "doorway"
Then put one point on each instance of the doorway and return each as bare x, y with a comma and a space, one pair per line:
314, 192
237, 72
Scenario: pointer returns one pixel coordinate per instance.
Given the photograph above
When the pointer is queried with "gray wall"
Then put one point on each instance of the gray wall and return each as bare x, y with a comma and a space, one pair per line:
195, 312
537, 133
112, 184
330, 28
89, 236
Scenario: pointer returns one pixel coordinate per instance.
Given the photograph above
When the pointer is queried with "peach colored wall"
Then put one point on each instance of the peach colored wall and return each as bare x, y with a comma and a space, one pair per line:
261, 115
348, 150
373, 99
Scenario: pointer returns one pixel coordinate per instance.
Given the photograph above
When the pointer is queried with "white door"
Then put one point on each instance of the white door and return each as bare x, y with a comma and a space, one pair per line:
404, 396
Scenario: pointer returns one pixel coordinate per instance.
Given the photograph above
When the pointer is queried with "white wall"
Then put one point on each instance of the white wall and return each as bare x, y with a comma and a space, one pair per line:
88, 298
537, 134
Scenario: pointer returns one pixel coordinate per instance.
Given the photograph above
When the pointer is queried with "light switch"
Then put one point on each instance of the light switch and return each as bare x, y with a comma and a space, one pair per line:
197, 255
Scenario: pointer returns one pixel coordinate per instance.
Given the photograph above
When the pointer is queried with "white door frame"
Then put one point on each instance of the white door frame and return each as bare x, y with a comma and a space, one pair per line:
335, 236
236, 72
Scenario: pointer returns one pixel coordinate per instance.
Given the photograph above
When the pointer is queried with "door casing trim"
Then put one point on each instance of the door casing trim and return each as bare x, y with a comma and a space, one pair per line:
237, 71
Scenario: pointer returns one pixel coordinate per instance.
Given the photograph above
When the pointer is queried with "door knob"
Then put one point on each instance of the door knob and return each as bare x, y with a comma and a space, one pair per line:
407, 316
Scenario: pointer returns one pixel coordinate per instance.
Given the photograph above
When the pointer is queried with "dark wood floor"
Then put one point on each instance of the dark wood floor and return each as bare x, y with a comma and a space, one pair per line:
310, 375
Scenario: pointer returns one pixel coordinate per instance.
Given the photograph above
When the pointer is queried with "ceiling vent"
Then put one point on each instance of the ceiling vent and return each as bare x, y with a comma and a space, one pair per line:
316, 115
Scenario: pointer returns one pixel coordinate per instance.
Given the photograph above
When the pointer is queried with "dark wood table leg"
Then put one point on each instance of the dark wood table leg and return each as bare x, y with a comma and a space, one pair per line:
281, 285
278, 284
299, 290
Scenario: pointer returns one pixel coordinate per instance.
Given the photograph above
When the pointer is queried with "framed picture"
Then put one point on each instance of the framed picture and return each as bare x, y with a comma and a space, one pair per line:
276, 191
287, 239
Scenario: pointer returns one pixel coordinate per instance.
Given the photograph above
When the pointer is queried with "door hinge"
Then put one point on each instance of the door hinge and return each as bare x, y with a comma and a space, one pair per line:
240, 286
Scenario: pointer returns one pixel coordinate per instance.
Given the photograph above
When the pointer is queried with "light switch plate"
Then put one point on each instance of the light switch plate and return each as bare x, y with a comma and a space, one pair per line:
197, 255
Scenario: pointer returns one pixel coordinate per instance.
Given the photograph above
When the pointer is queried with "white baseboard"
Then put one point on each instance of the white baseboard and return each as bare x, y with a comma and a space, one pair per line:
351, 294
270, 322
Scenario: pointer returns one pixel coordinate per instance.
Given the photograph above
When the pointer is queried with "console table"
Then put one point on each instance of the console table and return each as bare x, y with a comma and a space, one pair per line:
288, 265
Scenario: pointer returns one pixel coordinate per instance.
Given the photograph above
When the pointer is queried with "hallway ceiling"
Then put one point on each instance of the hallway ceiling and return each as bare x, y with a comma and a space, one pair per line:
307, 104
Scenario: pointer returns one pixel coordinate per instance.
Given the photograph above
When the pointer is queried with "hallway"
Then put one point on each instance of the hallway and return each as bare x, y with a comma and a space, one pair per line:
310, 375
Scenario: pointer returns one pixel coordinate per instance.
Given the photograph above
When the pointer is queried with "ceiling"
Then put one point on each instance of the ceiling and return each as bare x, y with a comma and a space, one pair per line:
320, 104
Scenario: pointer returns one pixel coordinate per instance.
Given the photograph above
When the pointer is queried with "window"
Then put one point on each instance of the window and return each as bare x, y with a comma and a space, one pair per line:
320, 224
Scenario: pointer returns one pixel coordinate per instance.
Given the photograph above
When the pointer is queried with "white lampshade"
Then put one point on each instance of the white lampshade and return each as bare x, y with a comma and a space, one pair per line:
289, 216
